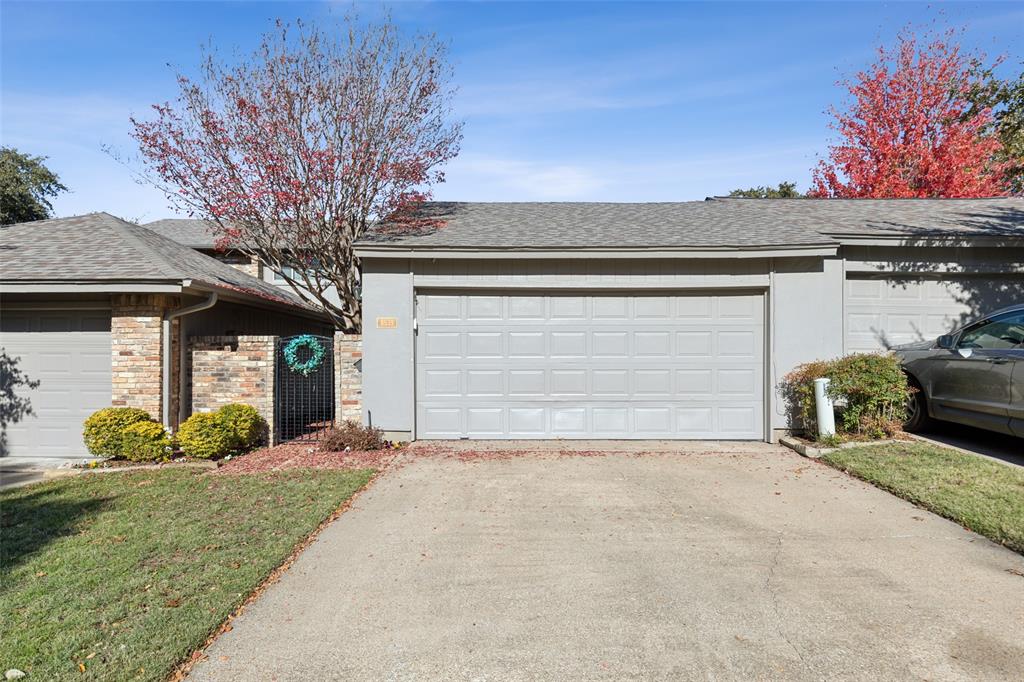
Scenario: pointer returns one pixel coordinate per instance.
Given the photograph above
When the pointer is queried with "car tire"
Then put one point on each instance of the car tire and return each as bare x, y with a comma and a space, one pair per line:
917, 409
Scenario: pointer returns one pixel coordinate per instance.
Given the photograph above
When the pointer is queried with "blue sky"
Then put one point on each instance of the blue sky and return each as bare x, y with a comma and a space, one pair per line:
562, 102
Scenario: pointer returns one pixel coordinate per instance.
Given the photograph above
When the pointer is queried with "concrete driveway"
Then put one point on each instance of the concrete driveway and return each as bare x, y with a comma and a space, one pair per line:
753, 564
997, 446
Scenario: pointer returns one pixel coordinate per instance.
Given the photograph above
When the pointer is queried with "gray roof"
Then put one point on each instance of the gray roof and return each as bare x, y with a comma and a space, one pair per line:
721, 222
188, 231
100, 247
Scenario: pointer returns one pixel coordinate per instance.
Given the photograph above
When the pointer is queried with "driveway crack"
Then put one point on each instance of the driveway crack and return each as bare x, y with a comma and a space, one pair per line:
773, 593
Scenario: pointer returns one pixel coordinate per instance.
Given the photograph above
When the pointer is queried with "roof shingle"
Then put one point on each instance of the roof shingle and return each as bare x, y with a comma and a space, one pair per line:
99, 247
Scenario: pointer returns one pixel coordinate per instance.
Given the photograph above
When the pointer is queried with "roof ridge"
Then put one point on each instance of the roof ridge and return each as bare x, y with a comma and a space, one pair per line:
163, 265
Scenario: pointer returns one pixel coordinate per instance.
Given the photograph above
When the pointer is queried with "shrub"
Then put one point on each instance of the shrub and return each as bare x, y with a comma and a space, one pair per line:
146, 442
870, 388
104, 429
246, 423
352, 434
205, 435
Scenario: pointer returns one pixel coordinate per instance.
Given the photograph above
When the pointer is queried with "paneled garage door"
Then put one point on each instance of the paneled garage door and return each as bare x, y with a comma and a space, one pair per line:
881, 314
590, 366
68, 352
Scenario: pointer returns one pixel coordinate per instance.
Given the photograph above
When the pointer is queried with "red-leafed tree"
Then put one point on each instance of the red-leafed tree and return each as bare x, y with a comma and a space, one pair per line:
292, 153
905, 133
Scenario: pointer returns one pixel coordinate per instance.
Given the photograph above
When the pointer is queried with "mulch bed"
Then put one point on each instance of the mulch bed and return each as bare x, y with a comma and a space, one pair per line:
304, 456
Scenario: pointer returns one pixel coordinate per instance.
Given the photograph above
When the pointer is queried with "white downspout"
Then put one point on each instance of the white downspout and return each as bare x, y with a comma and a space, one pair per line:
165, 384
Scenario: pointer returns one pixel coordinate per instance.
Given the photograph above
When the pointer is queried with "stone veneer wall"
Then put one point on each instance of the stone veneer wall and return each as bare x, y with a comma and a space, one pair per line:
348, 377
136, 348
232, 369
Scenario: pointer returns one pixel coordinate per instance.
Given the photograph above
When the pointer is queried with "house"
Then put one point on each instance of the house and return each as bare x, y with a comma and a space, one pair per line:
663, 320
96, 309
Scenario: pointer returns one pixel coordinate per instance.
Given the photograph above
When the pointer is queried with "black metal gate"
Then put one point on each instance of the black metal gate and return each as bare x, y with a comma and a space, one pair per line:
303, 387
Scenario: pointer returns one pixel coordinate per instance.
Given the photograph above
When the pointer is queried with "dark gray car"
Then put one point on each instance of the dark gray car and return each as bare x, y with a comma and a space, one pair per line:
973, 376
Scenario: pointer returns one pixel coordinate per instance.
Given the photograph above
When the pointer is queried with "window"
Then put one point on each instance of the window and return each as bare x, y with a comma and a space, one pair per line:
293, 273
1000, 333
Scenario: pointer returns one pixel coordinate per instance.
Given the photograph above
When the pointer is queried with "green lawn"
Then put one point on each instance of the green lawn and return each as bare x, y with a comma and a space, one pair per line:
125, 574
985, 496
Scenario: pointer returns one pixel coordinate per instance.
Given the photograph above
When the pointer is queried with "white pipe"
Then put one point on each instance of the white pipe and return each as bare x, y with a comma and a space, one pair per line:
165, 383
824, 408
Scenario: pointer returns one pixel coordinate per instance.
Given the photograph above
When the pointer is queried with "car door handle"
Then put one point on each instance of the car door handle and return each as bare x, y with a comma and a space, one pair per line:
997, 361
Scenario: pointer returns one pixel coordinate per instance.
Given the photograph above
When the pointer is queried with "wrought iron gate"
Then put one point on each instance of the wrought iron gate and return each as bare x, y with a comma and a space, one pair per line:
303, 387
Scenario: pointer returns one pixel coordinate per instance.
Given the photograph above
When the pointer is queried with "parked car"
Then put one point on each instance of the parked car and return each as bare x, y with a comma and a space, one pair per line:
973, 376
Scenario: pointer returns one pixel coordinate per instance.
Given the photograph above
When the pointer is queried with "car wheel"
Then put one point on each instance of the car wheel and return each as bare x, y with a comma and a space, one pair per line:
917, 409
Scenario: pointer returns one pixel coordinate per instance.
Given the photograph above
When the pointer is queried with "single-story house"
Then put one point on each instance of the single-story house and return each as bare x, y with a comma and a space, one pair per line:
659, 320
95, 309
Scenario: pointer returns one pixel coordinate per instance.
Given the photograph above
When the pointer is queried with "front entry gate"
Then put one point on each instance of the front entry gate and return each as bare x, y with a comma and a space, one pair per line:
303, 387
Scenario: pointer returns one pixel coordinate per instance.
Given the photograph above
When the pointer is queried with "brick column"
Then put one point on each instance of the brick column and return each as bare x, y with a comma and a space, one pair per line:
136, 348
233, 369
348, 377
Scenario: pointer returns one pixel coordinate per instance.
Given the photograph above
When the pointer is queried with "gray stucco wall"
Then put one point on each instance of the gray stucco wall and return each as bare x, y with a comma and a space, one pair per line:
806, 308
388, 384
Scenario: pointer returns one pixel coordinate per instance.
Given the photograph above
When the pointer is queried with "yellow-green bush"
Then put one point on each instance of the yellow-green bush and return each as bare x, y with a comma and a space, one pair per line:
104, 429
146, 442
205, 435
245, 422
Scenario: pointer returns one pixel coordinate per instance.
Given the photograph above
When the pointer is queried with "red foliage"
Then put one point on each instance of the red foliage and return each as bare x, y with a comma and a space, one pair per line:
907, 133
293, 153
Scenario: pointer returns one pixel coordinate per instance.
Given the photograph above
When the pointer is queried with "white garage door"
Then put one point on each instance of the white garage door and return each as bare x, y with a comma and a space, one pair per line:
68, 352
881, 314
590, 366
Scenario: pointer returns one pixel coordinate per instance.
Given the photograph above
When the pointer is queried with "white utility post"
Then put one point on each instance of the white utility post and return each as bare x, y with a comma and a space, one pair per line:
825, 410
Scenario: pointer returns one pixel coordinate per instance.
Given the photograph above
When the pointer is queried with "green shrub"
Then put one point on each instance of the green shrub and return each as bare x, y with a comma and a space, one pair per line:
351, 434
246, 423
104, 429
146, 442
205, 435
870, 390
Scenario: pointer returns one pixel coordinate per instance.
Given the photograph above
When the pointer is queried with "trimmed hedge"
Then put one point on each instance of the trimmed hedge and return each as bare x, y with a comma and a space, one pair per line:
206, 435
104, 429
248, 427
870, 390
146, 442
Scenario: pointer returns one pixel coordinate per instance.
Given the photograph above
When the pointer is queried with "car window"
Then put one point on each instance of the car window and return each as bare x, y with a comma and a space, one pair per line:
1003, 332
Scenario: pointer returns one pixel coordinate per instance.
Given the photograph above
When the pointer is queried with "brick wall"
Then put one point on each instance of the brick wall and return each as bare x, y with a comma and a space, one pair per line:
239, 261
136, 337
232, 369
348, 377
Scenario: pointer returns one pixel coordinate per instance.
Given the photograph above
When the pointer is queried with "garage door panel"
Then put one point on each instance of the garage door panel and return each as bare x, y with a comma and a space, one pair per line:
68, 353
881, 314
549, 368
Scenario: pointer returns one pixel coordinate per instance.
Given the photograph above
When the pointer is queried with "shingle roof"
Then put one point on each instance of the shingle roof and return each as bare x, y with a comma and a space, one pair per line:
721, 222
188, 231
100, 247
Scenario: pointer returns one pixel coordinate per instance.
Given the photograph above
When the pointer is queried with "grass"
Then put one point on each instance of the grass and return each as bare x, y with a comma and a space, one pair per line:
121, 576
984, 496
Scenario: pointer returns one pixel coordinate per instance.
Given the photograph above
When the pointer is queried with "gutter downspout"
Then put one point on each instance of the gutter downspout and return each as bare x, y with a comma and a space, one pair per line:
165, 384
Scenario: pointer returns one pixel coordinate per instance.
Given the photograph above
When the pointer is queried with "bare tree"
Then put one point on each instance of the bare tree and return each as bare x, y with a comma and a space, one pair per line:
292, 153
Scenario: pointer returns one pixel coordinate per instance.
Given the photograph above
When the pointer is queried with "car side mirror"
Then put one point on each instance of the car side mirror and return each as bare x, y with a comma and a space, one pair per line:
945, 341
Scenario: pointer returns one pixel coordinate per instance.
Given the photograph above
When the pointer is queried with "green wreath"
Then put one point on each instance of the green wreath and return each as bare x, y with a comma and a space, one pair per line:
310, 364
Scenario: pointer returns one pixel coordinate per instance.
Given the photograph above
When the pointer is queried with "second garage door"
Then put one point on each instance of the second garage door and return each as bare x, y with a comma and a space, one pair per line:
590, 366
882, 313
68, 353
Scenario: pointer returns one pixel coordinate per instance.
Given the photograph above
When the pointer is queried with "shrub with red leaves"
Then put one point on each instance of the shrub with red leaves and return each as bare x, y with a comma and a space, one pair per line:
353, 436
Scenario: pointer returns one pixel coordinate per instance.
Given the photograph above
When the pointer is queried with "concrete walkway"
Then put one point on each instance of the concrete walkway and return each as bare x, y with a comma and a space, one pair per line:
761, 565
